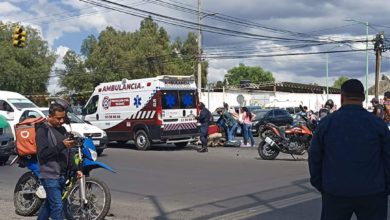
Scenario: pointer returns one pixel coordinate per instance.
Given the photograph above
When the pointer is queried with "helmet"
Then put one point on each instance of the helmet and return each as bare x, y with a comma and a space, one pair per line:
329, 103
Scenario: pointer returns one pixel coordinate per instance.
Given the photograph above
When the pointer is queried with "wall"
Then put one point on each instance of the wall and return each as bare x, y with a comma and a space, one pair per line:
213, 100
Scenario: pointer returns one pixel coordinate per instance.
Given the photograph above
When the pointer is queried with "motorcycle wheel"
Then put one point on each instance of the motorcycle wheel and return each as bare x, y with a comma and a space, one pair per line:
99, 201
25, 201
266, 152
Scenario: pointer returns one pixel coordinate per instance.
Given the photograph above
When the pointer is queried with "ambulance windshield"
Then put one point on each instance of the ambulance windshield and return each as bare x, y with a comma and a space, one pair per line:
174, 99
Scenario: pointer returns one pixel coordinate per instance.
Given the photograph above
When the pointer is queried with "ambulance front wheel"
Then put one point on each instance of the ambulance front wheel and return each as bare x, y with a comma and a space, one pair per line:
142, 140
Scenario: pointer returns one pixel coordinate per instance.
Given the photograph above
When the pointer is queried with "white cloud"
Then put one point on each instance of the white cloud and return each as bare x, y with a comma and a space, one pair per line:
7, 8
325, 19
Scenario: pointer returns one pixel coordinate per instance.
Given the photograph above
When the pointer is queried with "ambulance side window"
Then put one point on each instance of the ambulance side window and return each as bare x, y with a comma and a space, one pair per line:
92, 105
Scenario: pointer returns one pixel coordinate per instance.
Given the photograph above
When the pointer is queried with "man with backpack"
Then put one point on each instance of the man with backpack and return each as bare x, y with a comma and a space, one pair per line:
328, 109
54, 158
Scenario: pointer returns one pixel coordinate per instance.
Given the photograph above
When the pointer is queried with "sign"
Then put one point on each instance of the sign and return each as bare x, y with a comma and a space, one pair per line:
119, 102
120, 87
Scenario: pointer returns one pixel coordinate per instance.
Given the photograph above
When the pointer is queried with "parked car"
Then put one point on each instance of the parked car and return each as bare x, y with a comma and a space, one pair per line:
279, 117
99, 137
7, 144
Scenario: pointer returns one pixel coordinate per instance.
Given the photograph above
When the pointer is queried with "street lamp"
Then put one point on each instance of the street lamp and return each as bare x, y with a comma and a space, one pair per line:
366, 24
200, 17
327, 70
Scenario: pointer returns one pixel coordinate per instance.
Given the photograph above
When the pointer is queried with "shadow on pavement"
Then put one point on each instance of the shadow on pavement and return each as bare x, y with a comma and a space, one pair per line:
296, 201
154, 147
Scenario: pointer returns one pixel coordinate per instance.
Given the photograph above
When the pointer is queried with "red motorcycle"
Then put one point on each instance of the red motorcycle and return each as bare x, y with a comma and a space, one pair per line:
290, 140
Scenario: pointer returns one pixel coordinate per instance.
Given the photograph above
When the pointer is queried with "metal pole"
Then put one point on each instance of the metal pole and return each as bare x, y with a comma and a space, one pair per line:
366, 64
208, 97
327, 75
199, 49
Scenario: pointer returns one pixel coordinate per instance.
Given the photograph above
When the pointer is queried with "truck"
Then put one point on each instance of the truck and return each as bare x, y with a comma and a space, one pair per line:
161, 109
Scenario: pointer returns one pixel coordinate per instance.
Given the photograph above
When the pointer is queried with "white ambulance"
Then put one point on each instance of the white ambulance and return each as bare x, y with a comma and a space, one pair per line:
152, 110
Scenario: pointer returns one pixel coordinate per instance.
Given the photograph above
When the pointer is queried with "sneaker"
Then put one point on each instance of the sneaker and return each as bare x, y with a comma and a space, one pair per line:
41, 193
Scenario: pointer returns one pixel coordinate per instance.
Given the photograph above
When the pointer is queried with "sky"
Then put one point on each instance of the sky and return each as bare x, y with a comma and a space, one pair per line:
263, 29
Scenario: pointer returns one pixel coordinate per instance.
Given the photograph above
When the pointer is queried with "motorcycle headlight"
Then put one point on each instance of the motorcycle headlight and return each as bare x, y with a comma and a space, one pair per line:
93, 154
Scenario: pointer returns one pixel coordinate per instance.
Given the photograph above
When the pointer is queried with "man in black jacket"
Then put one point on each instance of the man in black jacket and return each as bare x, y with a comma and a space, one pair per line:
54, 159
349, 160
204, 120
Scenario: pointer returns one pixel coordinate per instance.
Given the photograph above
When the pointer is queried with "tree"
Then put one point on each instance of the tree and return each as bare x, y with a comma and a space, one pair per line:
340, 81
115, 55
24, 70
242, 72
74, 78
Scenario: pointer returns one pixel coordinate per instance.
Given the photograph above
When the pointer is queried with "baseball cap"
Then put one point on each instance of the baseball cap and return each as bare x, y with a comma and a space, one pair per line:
353, 88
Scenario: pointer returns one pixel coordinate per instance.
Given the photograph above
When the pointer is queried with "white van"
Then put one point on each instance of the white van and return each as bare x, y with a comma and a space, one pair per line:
16, 108
12, 105
152, 110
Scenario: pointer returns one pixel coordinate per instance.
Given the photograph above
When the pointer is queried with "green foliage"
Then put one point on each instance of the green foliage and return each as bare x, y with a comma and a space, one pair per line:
340, 81
74, 77
242, 72
115, 55
24, 70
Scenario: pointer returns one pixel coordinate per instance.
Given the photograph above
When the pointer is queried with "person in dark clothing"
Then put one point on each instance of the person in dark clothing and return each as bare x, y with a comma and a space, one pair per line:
54, 161
378, 109
349, 159
204, 120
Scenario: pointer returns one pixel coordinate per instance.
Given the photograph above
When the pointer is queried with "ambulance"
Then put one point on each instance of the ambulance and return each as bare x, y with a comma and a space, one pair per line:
147, 111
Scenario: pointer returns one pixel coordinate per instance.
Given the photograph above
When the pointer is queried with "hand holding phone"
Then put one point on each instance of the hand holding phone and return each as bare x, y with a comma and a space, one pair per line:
68, 143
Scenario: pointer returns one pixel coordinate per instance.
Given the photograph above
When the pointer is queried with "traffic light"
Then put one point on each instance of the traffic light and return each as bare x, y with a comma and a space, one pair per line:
19, 37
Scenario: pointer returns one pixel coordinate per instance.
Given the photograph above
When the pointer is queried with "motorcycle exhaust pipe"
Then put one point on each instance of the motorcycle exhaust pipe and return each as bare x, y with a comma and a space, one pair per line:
272, 143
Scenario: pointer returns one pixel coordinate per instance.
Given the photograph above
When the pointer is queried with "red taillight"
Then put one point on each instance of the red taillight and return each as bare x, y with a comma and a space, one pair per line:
159, 116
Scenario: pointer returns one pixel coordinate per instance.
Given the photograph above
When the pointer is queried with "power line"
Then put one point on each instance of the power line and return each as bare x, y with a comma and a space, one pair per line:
193, 25
279, 55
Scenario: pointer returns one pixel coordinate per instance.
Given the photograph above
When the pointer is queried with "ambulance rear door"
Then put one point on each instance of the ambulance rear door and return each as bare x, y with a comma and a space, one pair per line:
178, 112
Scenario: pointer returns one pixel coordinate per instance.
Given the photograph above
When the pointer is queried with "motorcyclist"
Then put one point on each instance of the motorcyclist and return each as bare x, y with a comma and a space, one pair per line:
328, 109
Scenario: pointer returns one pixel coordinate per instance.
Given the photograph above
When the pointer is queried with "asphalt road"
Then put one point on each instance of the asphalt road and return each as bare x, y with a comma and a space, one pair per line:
225, 183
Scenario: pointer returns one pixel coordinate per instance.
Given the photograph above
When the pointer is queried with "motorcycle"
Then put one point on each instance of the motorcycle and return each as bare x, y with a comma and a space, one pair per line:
84, 197
293, 140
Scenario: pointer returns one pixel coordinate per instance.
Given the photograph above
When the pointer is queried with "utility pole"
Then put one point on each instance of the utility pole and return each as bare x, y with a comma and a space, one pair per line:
379, 48
199, 49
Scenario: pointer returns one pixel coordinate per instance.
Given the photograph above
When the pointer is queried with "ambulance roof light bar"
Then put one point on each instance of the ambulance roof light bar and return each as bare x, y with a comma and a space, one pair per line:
171, 77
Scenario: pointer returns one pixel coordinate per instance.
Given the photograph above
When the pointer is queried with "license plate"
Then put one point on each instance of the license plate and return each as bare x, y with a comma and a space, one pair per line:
96, 142
269, 141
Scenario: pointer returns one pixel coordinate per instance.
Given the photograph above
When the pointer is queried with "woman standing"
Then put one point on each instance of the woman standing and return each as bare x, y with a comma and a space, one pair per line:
247, 126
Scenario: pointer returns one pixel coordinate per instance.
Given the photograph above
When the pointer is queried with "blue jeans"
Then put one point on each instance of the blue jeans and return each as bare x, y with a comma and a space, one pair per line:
247, 130
232, 132
52, 207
